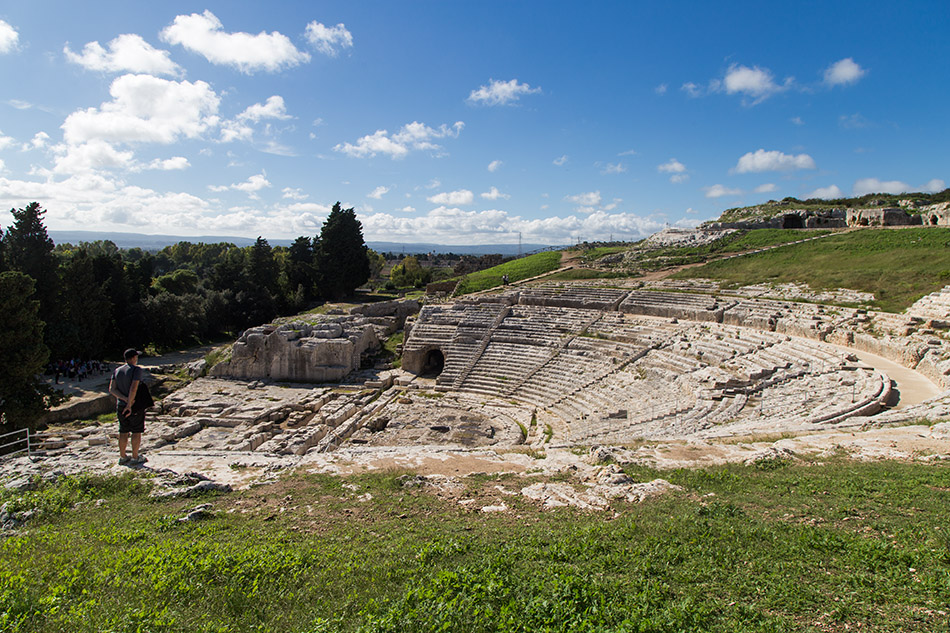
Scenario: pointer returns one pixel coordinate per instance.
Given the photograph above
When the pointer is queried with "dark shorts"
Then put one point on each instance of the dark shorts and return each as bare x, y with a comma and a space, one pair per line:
132, 423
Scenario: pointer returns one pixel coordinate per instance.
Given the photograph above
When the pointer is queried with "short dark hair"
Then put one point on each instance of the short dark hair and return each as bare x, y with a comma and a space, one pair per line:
131, 352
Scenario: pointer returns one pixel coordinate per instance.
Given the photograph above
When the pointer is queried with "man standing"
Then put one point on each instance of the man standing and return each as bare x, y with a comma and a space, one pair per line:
123, 385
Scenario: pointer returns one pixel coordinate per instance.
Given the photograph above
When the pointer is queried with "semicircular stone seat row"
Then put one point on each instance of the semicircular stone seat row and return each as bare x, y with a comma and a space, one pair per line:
646, 364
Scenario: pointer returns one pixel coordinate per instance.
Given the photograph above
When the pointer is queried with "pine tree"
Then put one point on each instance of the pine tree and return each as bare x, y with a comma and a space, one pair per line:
22, 351
341, 254
27, 248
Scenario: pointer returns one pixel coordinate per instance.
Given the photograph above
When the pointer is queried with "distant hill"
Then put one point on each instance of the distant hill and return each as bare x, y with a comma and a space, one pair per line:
158, 242
910, 201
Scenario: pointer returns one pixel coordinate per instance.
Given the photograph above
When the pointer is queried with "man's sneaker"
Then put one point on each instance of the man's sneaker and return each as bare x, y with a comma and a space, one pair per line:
124, 460
141, 459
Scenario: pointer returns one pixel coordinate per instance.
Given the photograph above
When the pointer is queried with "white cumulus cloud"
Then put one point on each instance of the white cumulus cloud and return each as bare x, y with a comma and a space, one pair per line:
91, 156
561, 160
494, 165
614, 168
676, 169
766, 188
329, 40
934, 186
718, 191
273, 108
204, 34
39, 141
462, 196
169, 164
450, 225
293, 193
378, 193
250, 186
8, 38
146, 109
589, 199
672, 166
494, 194
761, 160
755, 83
239, 128
865, 186
826, 193
413, 136
501, 92
127, 53
6, 141
843, 72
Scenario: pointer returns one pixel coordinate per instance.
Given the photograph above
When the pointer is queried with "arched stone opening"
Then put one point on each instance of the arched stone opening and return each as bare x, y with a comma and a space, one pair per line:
434, 363
792, 221
933, 220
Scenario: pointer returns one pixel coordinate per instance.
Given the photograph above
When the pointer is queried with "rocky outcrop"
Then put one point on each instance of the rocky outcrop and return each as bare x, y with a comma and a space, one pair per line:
324, 351
299, 352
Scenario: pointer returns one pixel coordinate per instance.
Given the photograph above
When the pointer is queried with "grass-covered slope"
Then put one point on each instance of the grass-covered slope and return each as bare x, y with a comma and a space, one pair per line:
518, 269
834, 546
899, 265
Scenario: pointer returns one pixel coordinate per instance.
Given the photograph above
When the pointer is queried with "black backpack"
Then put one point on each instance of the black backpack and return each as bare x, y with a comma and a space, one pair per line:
143, 398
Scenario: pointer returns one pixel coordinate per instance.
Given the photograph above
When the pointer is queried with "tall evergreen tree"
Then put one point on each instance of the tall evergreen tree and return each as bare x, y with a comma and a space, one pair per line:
300, 270
84, 321
29, 250
22, 349
341, 254
260, 269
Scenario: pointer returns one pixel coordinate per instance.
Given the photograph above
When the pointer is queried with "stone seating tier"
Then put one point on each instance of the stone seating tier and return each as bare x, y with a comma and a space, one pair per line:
572, 296
677, 305
933, 306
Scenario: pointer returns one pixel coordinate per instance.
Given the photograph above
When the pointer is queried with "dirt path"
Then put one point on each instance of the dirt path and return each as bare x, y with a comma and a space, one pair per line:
912, 386
99, 384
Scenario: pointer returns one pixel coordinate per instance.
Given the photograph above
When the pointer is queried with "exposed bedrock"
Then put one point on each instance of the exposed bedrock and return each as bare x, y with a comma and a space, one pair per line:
325, 351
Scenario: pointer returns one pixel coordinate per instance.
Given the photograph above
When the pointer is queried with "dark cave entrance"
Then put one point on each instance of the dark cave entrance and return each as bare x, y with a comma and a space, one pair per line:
792, 221
434, 363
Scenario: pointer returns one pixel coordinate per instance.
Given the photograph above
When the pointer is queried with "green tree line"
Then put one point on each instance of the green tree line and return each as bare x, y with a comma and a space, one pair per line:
93, 300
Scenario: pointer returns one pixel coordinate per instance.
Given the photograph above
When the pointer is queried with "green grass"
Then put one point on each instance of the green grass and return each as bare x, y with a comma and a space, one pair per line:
518, 269
780, 547
575, 274
391, 345
897, 266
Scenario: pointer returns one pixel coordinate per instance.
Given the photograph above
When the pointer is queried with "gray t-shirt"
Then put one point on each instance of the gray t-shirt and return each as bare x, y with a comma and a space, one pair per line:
123, 378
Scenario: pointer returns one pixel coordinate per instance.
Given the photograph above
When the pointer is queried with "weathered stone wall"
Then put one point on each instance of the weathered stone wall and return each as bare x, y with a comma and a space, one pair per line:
399, 309
892, 216
298, 352
321, 352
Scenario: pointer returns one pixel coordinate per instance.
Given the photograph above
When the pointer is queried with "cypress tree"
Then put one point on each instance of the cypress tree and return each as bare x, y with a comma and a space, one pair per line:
341, 254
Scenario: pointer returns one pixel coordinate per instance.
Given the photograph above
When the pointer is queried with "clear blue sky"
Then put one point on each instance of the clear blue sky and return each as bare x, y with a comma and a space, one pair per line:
462, 122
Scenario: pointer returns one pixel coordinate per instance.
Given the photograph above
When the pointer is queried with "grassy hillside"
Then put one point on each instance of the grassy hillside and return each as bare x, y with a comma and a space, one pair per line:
833, 546
898, 266
518, 269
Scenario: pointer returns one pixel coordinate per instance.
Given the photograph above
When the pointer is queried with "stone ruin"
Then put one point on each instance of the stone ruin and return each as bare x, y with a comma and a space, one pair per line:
325, 350
787, 218
546, 366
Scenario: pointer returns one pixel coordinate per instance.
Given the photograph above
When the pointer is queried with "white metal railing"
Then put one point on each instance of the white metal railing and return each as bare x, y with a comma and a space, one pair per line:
21, 437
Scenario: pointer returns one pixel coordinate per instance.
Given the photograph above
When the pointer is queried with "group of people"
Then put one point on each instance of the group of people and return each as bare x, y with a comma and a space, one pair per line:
77, 369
